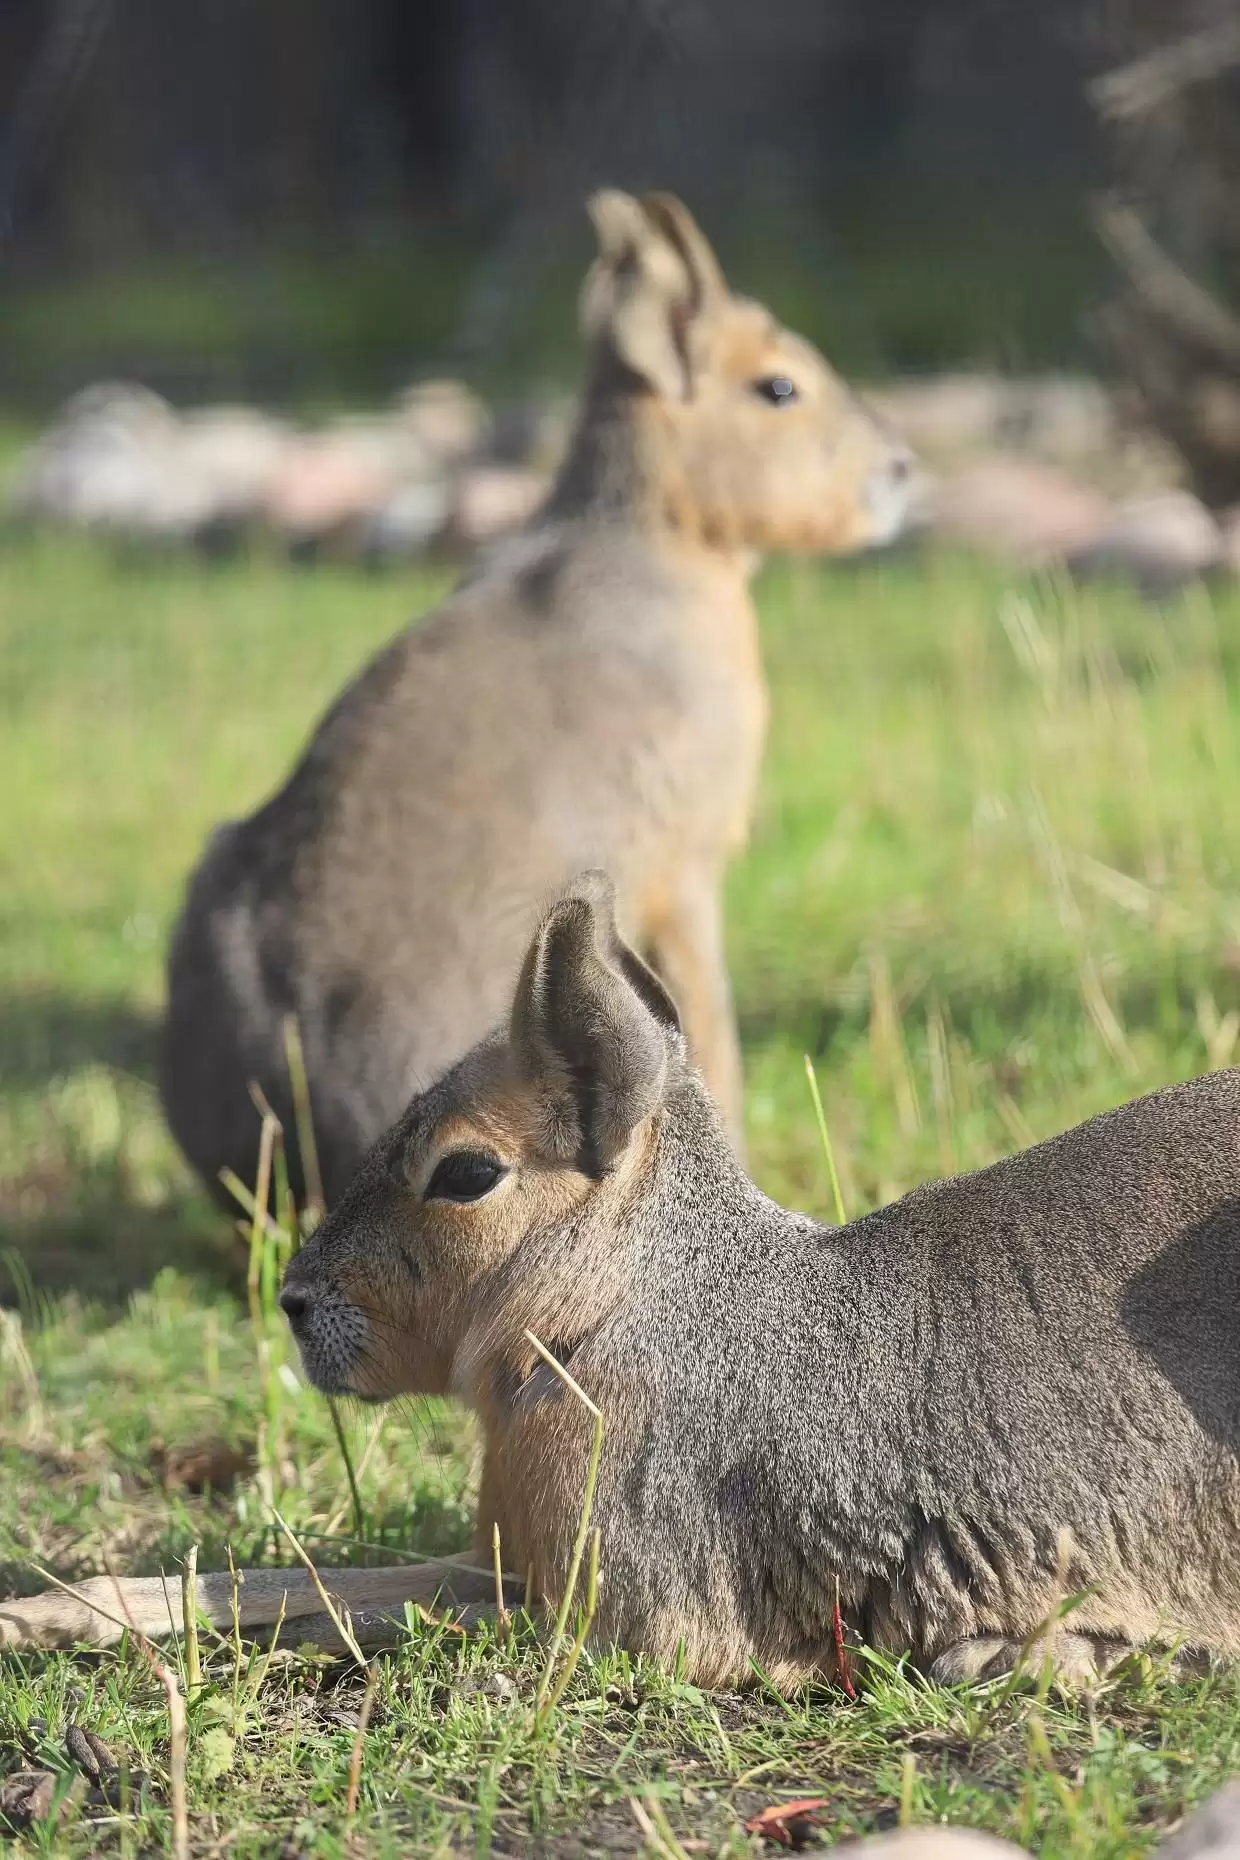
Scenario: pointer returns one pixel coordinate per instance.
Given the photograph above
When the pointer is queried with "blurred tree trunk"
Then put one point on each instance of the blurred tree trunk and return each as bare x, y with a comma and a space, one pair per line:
1170, 110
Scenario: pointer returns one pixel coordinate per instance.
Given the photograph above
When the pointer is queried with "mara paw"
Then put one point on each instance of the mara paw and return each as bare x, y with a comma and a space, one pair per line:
1078, 1661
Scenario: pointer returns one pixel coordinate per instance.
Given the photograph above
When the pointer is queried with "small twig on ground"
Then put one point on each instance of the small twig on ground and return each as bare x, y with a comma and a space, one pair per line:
500, 1611
843, 1666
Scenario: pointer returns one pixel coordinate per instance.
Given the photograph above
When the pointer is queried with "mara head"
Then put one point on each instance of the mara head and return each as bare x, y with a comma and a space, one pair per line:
523, 1152
750, 438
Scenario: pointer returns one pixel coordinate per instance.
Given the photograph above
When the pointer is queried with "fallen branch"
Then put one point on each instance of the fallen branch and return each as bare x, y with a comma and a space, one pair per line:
1168, 290
86, 1613
1134, 88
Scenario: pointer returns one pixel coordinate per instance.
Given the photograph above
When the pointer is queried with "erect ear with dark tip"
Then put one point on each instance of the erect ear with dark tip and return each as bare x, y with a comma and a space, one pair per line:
655, 275
677, 224
593, 1024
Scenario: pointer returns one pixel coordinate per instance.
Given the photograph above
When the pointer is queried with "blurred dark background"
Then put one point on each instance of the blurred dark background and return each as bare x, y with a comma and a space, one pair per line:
291, 198
310, 202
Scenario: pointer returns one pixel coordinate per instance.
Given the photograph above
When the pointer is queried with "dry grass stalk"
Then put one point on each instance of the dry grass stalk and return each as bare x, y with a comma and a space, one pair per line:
501, 1613
176, 1726
359, 1744
825, 1139
587, 1505
304, 1123
189, 1615
339, 1618
888, 1052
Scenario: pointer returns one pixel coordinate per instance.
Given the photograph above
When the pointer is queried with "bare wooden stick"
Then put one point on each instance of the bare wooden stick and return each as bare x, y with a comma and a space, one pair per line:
1164, 285
1143, 84
85, 1613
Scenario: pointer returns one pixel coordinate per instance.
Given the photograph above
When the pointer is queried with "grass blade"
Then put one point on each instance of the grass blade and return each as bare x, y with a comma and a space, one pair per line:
825, 1135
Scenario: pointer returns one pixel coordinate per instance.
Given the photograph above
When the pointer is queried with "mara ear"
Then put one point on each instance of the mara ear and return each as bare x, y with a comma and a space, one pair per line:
654, 277
593, 1022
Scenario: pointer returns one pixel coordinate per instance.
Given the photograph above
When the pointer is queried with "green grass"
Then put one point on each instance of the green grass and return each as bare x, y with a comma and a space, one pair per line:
994, 886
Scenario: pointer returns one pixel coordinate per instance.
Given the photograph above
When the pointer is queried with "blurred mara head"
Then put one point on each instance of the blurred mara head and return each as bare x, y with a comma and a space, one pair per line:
537, 1135
751, 438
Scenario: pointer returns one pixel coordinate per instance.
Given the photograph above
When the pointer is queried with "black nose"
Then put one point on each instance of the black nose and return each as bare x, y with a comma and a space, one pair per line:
901, 467
295, 1304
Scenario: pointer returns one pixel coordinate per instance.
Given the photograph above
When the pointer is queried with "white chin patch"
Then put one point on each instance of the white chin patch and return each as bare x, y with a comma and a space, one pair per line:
889, 503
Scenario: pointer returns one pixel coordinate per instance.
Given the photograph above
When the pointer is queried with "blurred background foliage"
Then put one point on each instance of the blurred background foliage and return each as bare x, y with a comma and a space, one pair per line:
299, 199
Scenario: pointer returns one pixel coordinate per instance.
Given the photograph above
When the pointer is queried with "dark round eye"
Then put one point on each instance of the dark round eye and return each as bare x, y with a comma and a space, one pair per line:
777, 389
464, 1175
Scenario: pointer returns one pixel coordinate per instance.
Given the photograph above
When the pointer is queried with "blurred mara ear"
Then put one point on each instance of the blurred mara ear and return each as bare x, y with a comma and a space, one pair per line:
654, 277
594, 1023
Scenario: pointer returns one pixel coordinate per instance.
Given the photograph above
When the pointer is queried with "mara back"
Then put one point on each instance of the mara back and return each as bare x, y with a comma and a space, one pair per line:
592, 694
1005, 1390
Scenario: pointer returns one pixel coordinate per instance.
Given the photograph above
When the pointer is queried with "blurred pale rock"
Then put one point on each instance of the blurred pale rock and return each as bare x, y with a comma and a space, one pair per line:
448, 420
120, 460
930, 1844
1010, 506
91, 466
1054, 418
1212, 1833
951, 413
1229, 531
437, 468
1158, 542
489, 500
406, 522
324, 483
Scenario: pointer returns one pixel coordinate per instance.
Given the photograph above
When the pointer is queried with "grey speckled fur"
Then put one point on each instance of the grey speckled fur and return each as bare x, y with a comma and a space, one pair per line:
1002, 1388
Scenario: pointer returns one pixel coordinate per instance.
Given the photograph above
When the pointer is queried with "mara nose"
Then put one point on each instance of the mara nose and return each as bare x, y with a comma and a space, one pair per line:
900, 466
295, 1304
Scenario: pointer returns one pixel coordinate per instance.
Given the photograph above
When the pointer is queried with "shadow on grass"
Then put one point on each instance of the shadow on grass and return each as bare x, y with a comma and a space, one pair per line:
105, 1246
44, 1036
93, 1197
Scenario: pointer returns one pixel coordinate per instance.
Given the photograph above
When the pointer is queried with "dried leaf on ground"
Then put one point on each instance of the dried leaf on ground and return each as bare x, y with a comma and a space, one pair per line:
788, 1824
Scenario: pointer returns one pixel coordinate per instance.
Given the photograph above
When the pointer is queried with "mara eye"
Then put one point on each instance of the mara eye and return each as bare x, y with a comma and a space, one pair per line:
777, 389
464, 1175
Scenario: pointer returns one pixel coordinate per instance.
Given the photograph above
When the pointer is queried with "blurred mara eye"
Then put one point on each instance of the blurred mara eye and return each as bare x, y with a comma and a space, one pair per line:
464, 1175
777, 389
